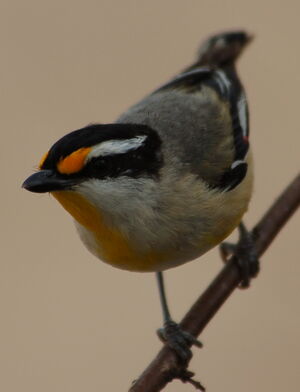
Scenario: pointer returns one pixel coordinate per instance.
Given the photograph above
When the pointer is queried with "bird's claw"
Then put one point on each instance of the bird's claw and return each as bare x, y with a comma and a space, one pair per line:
245, 255
177, 339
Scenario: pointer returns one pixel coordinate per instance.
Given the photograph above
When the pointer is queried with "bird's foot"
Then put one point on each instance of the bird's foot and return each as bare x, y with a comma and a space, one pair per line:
177, 339
187, 377
245, 255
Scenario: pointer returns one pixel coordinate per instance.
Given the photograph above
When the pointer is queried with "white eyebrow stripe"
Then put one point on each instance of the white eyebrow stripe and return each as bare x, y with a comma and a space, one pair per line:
115, 146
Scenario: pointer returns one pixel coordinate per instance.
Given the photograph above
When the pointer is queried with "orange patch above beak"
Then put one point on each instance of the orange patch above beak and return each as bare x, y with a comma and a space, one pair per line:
74, 162
44, 157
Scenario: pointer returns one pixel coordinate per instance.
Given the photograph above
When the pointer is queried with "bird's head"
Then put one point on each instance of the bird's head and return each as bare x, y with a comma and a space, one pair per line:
109, 169
95, 153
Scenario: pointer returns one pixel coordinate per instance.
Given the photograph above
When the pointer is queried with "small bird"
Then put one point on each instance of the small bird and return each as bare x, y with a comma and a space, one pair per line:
169, 180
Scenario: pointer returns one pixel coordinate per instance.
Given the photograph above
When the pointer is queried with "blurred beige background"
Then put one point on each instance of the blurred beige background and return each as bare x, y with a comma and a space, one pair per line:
72, 323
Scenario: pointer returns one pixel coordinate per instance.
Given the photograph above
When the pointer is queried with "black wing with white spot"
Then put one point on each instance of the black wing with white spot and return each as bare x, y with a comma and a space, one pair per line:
226, 84
230, 89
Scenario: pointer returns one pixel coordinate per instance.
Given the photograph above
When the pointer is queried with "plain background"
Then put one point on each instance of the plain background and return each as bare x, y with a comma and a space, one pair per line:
72, 323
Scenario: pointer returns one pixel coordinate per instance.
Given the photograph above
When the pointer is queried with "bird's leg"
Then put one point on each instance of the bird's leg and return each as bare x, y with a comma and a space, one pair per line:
171, 333
245, 255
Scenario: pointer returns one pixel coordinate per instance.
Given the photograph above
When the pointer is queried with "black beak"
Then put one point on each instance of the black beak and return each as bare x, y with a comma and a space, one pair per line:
47, 181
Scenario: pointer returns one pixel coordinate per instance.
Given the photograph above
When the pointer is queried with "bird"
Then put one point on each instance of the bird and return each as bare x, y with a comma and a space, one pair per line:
169, 180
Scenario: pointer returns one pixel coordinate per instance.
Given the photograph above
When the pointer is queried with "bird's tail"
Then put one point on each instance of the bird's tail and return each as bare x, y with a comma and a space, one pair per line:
223, 49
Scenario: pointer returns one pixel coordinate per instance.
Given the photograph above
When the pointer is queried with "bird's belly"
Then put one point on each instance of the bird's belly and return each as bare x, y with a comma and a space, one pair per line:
121, 254
108, 243
113, 247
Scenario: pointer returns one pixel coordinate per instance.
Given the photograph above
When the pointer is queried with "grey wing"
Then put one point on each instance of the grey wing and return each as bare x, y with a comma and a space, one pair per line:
202, 119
